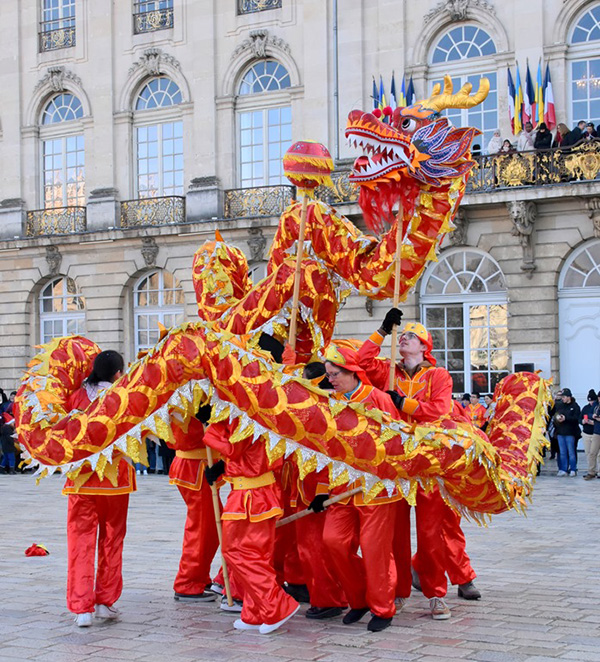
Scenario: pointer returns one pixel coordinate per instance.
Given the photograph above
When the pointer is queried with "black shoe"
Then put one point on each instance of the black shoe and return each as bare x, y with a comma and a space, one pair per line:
416, 582
318, 613
12, 471
298, 591
354, 615
207, 596
377, 624
468, 591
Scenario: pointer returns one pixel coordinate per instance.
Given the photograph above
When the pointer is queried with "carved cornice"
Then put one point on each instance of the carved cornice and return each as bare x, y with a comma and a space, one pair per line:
56, 78
523, 214
261, 44
458, 10
153, 61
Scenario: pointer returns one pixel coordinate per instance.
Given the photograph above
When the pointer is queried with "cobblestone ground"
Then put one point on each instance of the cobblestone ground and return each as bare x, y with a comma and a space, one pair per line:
539, 576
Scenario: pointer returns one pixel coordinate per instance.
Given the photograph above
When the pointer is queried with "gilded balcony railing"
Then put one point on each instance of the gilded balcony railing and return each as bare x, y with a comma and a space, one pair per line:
538, 168
257, 201
167, 210
251, 6
57, 34
60, 220
343, 190
148, 19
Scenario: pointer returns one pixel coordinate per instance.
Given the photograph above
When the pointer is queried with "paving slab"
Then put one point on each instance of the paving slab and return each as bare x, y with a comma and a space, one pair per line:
539, 576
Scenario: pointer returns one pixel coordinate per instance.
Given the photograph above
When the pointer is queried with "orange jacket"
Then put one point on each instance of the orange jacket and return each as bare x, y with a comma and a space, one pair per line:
476, 414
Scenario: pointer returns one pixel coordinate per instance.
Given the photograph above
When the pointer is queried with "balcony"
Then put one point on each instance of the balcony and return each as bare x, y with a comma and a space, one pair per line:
60, 220
257, 201
57, 34
252, 6
167, 210
148, 19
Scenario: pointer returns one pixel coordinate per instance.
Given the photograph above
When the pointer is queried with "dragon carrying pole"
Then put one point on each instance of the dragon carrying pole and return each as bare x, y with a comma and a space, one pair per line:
398, 265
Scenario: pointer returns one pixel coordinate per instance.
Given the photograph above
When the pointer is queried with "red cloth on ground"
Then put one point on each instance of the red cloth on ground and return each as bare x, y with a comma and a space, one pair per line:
248, 549
36, 550
369, 581
103, 519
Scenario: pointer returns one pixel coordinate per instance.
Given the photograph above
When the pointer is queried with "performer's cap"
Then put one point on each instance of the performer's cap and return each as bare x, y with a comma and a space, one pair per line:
348, 359
424, 336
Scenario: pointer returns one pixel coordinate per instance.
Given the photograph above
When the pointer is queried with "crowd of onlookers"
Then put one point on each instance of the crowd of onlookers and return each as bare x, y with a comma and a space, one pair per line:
541, 138
568, 423
8, 461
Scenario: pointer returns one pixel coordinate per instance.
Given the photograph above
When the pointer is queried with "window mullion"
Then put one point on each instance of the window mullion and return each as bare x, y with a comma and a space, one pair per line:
467, 345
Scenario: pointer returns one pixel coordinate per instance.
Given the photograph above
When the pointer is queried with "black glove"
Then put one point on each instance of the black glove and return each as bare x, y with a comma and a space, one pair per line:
397, 399
212, 473
317, 503
393, 316
203, 414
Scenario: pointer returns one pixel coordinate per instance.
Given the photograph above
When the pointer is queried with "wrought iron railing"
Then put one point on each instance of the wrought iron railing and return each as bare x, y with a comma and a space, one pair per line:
60, 220
148, 19
251, 6
342, 192
257, 201
57, 34
539, 168
167, 210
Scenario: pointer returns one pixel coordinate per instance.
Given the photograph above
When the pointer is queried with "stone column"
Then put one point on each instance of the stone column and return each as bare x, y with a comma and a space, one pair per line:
204, 200
103, 209
13, 218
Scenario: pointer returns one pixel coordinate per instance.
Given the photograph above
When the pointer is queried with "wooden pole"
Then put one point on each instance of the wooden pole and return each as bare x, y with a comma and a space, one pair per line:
299, 256
397, 275
217, 508
308, 511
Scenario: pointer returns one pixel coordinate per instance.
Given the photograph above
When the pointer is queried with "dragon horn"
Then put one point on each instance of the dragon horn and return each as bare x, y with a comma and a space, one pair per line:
462, 99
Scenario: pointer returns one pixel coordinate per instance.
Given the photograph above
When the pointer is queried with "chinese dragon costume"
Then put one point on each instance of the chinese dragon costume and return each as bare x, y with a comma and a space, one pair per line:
417, 161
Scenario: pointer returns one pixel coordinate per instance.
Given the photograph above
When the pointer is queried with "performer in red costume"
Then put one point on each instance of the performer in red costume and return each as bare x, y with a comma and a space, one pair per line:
200, 539
369, 581
97, 513
422, 393
476, 411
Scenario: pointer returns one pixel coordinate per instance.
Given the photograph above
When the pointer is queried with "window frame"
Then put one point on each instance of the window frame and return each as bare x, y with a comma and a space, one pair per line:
65, 316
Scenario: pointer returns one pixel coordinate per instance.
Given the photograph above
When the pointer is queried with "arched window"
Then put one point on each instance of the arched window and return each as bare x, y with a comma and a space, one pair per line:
584, 67
466, 53
264, 123
464, 306
62, 152
61, 309
159, 139
461, 43
579, 319
157, 297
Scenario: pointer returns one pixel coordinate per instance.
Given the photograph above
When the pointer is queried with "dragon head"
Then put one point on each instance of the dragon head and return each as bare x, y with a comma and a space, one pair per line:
417, 141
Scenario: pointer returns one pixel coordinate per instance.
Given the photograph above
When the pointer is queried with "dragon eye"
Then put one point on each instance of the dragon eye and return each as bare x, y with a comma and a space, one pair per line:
409, 125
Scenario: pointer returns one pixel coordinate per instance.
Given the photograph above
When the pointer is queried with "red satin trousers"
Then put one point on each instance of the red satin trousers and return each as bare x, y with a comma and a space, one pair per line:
102, 520
440, 547
248, 548
369, 581
200, 541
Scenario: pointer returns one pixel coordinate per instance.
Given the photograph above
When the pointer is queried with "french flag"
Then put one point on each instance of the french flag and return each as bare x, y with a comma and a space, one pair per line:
529, 100
511, 99
549, 111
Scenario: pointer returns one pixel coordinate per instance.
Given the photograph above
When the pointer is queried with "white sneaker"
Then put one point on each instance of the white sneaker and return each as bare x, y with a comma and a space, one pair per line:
560, 472
266, 629
138, 472
439, 609
83, 620
572, 474
217, 588
104, 611
240, 625
236, 606
145, 472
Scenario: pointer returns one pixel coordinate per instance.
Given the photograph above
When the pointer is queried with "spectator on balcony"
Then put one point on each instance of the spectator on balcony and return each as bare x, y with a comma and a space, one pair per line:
543, 137
574, 136
561, 132
526, 139
507, 147
590, 133
476, 150
495, 143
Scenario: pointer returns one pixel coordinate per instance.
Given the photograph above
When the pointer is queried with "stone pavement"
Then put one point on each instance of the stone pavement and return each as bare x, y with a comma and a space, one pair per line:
540, 578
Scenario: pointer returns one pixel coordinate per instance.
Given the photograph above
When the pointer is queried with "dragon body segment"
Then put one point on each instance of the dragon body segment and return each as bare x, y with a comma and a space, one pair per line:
216, 360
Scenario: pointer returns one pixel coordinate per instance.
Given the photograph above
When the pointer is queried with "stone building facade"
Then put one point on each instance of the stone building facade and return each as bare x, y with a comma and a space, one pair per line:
131, 131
